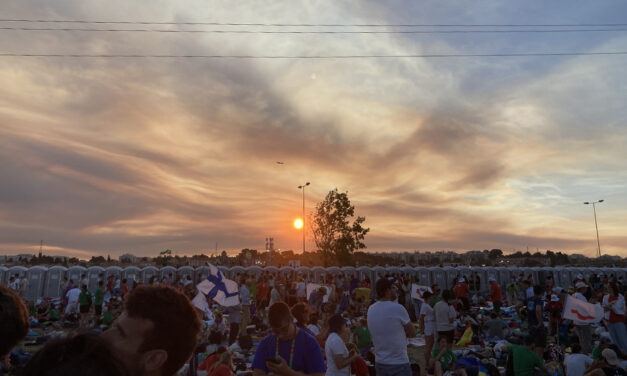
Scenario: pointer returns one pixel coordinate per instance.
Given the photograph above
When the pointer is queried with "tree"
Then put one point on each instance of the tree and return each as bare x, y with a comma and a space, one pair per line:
495, 253
333, 233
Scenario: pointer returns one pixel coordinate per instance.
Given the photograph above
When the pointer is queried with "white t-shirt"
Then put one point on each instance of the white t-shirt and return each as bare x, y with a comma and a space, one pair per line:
301, 289
314, 329
443, 313
72, 295
576, 364
335, 346
428, 312
386, 322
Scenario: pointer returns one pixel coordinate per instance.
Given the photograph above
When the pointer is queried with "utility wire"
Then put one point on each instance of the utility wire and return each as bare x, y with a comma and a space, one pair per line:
548, 54
308, 24
314, 31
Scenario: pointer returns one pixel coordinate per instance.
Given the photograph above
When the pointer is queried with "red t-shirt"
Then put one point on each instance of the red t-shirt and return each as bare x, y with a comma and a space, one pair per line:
461, 290
207, 363
495, 292
221, 370
262, 292
360, 368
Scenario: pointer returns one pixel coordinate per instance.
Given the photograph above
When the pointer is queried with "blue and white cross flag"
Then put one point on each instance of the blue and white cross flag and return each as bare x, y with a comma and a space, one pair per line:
223, 291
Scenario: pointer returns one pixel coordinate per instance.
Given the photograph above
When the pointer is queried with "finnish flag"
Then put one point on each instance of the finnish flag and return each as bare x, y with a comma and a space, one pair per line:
223, 291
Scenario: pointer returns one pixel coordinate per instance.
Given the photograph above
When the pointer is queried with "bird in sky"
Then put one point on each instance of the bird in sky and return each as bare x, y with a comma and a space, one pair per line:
279, 162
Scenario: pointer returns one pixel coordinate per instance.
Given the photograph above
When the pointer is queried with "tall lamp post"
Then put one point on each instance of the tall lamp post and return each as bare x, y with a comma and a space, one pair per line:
303, 188
595, 223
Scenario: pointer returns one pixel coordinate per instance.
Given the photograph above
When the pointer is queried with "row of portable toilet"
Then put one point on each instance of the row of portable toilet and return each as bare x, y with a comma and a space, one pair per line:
47, 281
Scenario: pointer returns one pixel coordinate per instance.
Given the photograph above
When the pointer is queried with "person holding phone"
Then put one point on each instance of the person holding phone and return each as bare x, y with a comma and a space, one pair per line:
288, 350
339, 359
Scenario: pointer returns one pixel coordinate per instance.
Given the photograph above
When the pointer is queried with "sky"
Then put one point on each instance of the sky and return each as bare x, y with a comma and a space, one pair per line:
109, 155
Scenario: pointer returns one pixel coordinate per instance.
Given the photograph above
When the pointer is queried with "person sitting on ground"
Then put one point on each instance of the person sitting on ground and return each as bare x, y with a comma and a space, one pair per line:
211, 359
442, 358
605, 342
289, 350
14, 323
223, 366
495, 327
362, 336
608, 366
524, 358
84, 354
576, 363
157, 332
338, 357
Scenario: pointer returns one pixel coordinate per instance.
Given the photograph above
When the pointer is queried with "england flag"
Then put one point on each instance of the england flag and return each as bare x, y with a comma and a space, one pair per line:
223, 291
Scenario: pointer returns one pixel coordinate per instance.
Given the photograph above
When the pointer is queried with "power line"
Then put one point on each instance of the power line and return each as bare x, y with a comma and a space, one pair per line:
307, 24
314, 31
548, 54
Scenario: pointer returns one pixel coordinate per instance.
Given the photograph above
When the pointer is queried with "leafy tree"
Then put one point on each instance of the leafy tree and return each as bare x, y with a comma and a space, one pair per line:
333, 233
495, 253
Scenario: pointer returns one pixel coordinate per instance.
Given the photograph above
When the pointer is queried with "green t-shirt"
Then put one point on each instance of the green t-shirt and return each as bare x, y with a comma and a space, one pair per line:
253, 290
434, 300
363, 336
83, 298
98, 296
107, 318
54, 315
524, 360
596, 353
446, 359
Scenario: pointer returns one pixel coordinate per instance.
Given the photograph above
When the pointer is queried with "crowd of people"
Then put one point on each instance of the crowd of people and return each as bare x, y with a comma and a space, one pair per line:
286, 325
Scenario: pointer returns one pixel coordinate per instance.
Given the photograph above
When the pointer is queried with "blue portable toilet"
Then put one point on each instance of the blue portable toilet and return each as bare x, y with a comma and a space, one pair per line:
52, 284
148, 272
36, 276
94, 275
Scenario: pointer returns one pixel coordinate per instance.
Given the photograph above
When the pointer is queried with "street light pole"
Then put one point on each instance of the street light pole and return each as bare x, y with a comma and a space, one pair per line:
303, 188
595, 223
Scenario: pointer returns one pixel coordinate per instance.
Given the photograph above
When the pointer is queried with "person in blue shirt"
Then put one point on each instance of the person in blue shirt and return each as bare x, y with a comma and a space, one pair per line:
289, 350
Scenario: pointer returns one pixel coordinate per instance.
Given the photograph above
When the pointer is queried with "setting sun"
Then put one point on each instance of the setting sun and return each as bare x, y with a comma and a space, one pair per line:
298, 223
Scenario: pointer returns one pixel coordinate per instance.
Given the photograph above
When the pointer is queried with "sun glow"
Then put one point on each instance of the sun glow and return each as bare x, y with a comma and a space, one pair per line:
298, 223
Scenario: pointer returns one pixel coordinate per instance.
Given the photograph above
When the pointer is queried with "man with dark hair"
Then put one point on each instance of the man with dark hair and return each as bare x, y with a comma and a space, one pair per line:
157, 332
289, 351
390, 327
84, 354
14, 322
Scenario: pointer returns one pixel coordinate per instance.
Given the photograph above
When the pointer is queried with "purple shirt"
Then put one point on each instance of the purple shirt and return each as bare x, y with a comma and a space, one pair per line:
307, 354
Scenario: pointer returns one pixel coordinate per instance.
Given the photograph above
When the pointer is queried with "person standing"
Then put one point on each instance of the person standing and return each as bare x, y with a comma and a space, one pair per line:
98, 300
426, 323
244, 296
495, 294
535, 310
584, 331
461, 292
445, 315
614, 305
235, 320
84, 302
390, 327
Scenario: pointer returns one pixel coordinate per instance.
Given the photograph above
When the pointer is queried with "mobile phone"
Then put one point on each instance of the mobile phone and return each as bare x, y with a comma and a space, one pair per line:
273, 360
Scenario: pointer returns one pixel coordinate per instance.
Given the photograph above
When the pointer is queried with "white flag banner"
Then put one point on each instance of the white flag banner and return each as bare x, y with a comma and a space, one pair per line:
418, 290
223, 291
314, 286
582, 312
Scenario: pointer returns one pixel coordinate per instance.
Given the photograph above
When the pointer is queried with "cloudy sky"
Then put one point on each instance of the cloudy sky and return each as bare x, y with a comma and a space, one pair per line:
113, 155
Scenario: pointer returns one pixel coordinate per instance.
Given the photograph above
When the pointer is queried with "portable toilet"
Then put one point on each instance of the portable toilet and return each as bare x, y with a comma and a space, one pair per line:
424, 275
94, 276
19, 270
148, 272
287, 271
132, 275
4, 275
236, 272
483, 278
439, 277
52, 284
36, 276
502, 275
255, 271
201, 273
168, 273
184, 271
114, 271
349, 272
